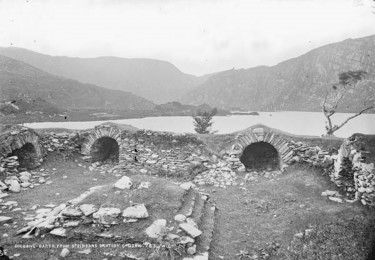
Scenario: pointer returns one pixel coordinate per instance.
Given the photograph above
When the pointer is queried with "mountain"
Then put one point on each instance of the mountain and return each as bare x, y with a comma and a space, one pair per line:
297, 84
23, 87
156, 80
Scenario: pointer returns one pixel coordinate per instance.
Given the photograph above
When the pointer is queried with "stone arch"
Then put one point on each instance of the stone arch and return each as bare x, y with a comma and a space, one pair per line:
22, 142
263, 136
103, 141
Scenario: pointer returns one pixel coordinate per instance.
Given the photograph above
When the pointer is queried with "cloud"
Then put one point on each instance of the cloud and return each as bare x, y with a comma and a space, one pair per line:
197, 36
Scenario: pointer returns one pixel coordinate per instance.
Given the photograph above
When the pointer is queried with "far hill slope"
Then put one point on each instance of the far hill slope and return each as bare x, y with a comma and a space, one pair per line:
295, 84
20, 81
156, 80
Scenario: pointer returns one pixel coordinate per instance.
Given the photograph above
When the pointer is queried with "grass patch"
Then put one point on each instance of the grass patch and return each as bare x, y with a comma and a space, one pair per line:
261, 219
340, 239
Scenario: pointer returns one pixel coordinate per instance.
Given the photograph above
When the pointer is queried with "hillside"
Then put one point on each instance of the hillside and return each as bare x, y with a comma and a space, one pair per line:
156, 80
295, 84
176, 108
26, 85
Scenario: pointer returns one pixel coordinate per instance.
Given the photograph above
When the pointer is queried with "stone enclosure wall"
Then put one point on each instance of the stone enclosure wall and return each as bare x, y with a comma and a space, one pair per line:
352, 172
150, 152
289, 151
185, 155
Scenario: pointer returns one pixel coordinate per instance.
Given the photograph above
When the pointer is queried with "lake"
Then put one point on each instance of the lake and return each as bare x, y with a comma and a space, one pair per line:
302, 123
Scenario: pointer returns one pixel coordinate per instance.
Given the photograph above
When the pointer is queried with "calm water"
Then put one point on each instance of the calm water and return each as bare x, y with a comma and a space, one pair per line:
306, 123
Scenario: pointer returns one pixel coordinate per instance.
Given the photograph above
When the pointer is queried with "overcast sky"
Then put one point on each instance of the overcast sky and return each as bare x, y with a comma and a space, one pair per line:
199, 37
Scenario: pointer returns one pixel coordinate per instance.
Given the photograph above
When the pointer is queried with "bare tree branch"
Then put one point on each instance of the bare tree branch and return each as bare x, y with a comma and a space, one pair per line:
347, 80
324, 102
349, 118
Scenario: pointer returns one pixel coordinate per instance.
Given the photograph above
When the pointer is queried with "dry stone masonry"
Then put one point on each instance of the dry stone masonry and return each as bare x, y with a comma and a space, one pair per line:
225, 171
149, 152
166, 154
351, 171
20, 147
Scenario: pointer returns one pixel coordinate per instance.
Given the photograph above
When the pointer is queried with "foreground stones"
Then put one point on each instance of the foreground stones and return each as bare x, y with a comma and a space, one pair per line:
157, 229
68, 219
64, 252
88, 209
138, 211
4, 219
191, 230
60, 232
124, 183
107, 215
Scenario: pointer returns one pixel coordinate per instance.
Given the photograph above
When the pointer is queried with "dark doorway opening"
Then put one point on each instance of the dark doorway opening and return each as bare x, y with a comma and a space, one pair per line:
27, 156
260, 156
105, 149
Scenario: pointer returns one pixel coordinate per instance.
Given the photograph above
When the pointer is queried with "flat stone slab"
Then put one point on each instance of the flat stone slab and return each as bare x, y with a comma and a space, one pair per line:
107, 215
124, 183
203, 256
5, 219
335, 199
191, 230
180, 217
71, 224
187, 185
88, 209
14, 186
72, 213
3, 195
61, 232
157, 228
10, 203
137, 211
43, 211
113, 212
329, 193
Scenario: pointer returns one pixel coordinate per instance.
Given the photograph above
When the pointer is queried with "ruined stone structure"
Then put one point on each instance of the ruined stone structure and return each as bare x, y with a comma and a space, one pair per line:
144, 151
352, 172
103, 143
22, 145
259, 146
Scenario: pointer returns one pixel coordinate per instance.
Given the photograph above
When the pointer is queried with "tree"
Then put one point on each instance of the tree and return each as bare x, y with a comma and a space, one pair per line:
347, 81
203, 121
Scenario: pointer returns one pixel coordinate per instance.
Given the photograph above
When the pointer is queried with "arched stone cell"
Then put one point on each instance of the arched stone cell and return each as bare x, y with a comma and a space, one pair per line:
105, 149
103, 144
260, 156
27, 156
23, 143
260, 148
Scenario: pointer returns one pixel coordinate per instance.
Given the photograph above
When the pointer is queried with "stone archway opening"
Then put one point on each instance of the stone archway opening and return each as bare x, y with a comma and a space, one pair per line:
260, 156
105, 149
27, 156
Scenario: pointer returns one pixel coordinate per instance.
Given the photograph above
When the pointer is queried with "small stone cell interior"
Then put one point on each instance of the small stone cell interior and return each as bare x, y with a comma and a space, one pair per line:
260, 156
27, 156
105, 149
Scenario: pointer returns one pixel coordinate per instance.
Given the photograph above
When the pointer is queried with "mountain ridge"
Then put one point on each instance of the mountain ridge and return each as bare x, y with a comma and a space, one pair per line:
21, 81
156, 80
295, 84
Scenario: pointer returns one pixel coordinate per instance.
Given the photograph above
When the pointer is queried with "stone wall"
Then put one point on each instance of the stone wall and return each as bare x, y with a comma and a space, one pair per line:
352, 172
150, 152
224, 170
290, 151
184, 155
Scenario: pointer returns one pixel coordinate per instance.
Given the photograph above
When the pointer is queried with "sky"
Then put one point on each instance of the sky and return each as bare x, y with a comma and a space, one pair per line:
197, 36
